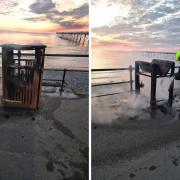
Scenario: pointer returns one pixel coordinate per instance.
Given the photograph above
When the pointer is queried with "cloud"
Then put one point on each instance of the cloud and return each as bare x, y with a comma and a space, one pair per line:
51, 14
7, 6
150, 23
73, 25
79, 12
42, 6
36, 19
47, 15
47, 7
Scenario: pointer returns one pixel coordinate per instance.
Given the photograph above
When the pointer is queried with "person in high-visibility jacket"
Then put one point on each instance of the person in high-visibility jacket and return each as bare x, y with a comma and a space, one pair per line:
177, 75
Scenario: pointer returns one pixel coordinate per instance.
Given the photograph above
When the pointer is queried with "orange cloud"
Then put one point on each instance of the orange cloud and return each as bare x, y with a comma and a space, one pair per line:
43, 17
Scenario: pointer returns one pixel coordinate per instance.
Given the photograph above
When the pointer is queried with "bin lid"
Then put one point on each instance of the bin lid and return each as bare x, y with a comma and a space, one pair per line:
24, 47
163, 66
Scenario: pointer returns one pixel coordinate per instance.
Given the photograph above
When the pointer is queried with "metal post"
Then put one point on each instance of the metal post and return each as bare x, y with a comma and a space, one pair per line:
63, 80
130, 74
171, 87
153, 88
137, 77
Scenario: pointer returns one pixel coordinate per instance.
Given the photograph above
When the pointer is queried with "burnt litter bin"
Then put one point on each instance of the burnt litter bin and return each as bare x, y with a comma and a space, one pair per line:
22, 75
156, 69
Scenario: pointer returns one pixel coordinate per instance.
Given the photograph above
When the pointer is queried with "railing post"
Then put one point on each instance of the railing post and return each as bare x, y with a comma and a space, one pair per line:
131, 79
137, 78
171, 89
153, 89
63, 80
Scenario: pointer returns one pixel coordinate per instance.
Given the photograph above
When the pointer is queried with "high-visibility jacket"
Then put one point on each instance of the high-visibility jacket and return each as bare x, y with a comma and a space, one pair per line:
178, 56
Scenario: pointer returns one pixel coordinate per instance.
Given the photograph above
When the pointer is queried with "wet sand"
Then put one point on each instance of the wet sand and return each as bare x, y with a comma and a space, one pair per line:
132, 144
49, 143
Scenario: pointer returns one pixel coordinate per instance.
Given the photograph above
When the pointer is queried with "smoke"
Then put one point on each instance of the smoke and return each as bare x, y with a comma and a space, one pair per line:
102, 115
121, 106
128, 105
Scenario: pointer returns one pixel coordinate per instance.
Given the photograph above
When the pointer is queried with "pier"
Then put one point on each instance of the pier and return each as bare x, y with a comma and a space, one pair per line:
77, 37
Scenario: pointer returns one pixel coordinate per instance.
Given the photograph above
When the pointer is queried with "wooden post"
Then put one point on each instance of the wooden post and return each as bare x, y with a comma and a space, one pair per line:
84, 38
69, 36
153, 88
137, 77
130, 74
171, 87
80, 38
73, 37
76, 37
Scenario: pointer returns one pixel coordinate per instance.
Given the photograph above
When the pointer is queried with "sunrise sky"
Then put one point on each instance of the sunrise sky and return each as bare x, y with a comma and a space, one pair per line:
43, 15
136, 24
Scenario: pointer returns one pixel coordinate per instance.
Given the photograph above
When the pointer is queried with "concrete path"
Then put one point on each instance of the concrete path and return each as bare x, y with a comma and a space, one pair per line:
128, 143
154, 165
49, 143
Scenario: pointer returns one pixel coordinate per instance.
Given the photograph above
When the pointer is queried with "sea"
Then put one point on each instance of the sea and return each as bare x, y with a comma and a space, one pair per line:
107, 59
55, 45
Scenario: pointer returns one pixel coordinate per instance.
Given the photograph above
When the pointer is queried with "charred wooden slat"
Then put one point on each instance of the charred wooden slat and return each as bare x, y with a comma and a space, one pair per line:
19, 82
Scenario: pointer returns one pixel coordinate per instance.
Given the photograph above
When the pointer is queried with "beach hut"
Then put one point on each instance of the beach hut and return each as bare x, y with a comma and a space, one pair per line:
22, 68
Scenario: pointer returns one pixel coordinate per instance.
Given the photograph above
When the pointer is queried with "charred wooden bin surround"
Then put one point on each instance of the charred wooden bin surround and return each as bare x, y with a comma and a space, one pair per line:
22, 68
156, 69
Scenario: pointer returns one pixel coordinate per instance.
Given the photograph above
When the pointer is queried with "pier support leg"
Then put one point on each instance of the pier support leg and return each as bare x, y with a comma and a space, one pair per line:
80, 38
84, 39
76, 37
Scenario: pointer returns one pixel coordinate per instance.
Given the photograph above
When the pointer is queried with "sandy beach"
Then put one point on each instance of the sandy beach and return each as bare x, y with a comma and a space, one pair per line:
127, 143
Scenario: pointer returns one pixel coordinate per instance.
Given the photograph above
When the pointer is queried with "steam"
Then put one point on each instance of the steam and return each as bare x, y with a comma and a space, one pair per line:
106, 110
126, 105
